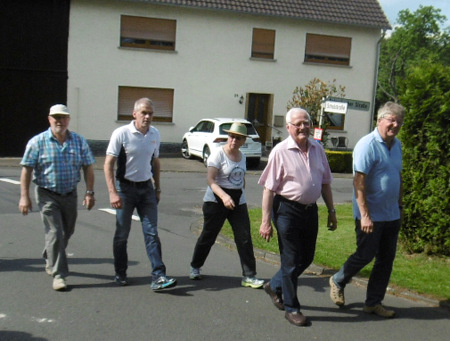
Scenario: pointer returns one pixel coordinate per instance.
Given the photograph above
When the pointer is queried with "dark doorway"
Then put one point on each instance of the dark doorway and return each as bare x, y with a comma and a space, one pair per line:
260, 114
33, 68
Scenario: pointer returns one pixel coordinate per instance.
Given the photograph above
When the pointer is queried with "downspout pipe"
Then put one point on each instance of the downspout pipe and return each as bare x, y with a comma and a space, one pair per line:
375, 85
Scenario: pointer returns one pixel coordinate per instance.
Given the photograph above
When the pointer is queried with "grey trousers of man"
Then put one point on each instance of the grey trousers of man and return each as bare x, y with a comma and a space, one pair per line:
59, 214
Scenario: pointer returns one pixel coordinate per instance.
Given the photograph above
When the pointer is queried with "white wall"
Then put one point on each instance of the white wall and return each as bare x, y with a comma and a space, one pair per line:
211, 64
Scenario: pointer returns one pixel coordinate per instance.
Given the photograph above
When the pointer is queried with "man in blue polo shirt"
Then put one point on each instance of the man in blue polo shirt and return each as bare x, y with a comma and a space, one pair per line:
57, 156
136, 148
377, 205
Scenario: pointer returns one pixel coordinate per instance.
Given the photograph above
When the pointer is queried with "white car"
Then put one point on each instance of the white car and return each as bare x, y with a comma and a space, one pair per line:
208, 135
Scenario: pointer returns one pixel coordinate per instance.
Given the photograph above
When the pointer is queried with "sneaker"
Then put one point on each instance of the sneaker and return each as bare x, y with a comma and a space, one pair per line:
379, 310
59, 283
121, 280
163, 282
252, 282
336, 294
195, 273
48, 268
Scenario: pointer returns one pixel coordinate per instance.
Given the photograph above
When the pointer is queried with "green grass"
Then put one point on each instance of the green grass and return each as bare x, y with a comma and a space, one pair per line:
418, 272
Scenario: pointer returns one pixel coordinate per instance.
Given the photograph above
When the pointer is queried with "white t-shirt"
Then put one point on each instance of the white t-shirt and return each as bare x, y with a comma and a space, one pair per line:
230, 175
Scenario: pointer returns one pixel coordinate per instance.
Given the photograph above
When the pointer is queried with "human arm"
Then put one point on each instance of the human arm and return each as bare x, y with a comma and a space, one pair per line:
359, 184
266, 230
156, 170
327, 196
211, 180
108, 168
25, 179
89, 200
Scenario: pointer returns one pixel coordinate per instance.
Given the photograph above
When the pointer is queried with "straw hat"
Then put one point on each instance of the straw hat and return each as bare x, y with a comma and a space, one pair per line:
237, 129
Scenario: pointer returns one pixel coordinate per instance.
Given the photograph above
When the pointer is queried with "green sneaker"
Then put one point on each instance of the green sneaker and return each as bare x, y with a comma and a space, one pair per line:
379, 310
252, 282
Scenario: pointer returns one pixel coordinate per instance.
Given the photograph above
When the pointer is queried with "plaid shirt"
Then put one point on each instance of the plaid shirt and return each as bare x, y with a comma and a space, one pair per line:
57, 167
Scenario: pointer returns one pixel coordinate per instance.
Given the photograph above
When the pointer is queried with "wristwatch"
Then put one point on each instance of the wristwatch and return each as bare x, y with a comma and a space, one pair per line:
332, 211
91, 193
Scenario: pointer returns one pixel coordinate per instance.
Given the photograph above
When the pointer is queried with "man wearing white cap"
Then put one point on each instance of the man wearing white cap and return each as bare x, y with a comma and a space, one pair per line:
56, 156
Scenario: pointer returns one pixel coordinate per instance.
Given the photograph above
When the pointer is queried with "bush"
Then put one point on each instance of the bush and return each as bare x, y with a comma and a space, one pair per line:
340, 162
426, 162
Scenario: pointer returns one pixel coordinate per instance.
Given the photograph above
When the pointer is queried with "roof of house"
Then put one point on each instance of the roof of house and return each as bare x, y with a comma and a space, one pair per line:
352, 12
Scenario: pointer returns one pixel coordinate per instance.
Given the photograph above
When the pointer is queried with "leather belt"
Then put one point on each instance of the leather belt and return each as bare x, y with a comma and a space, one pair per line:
296, 203
138, 184
56, 193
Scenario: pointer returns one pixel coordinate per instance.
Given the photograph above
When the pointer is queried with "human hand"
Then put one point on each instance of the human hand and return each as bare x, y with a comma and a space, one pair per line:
228, 202
332, 221
89, 201
266, 231
366, 225
115, 200
25, 205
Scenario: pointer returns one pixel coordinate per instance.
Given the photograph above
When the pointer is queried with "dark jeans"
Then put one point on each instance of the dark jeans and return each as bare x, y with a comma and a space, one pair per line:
297, 228
144, 200
381, 244
214, 215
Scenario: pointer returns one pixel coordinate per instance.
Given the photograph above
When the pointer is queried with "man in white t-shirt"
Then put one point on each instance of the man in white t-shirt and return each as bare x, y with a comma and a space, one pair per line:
136, 148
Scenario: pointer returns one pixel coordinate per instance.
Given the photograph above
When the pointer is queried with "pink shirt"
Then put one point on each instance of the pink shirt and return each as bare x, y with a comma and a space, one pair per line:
296, 176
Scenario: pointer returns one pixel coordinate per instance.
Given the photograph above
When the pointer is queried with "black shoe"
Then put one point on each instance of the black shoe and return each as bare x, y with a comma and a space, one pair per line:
121, 280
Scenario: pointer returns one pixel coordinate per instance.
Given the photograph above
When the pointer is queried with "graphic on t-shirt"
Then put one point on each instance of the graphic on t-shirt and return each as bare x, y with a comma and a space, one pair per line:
236, 176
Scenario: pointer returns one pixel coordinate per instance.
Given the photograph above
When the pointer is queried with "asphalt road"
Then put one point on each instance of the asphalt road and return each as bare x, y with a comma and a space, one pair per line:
216, 308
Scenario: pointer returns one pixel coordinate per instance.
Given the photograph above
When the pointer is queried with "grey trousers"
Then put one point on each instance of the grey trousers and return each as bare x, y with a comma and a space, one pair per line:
59, 214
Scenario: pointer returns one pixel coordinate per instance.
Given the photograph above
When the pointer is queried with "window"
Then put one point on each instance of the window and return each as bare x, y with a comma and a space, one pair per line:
263, 43
162, 102
327, 49
335, 121
147, 33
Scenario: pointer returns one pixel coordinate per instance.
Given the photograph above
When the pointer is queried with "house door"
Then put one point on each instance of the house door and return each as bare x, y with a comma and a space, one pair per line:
259, 112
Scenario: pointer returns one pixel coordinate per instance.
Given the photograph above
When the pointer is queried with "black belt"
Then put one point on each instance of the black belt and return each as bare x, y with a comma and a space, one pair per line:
56, 193
296, 203
135, 184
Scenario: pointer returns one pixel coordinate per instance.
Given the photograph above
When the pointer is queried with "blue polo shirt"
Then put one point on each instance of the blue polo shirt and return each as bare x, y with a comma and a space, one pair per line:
57, 166
382, 167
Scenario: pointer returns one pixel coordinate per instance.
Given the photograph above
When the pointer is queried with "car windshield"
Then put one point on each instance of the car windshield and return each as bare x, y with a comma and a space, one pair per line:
226, 126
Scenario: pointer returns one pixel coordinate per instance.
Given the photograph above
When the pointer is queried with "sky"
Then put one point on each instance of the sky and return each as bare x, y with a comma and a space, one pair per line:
392, 7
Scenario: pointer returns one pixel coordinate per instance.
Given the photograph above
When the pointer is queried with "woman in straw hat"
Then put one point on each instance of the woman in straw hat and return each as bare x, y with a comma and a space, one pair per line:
225, 199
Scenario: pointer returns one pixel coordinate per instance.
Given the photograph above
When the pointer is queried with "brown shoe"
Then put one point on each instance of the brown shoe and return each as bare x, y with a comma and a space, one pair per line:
336, 294
296, 318
276, 300
380, 311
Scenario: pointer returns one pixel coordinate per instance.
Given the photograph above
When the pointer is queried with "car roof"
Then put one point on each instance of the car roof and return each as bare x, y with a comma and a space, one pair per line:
225, 120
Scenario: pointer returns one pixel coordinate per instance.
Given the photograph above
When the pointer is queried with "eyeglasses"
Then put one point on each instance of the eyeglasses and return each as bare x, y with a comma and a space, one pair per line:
299, 124
393, 120
236, 137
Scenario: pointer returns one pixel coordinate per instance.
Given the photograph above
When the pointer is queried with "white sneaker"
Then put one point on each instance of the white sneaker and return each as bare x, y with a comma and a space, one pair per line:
252, 282
59, 283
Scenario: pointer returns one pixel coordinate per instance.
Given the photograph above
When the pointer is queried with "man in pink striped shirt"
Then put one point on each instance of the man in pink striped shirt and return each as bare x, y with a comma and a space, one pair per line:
296, 174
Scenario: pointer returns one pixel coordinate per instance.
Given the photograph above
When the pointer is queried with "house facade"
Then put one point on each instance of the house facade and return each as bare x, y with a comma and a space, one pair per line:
198, 59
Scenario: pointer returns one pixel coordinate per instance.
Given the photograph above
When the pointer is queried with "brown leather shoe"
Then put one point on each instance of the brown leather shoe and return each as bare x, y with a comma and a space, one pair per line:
296, 318
276, 300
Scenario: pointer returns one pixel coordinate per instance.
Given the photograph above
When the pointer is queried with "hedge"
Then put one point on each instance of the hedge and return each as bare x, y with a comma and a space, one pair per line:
340, 161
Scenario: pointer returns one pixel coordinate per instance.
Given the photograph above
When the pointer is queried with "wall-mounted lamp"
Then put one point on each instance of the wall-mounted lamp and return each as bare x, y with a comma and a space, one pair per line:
241, 99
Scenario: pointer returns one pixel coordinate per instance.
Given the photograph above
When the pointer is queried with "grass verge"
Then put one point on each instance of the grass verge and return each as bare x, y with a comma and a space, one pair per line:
418, 273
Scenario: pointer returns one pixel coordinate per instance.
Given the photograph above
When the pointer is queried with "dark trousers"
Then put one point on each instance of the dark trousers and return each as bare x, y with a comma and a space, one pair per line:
381, 244
214, 215
297, 228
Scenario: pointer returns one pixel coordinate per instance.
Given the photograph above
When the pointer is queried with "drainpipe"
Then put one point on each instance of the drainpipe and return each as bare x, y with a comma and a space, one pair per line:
377, 64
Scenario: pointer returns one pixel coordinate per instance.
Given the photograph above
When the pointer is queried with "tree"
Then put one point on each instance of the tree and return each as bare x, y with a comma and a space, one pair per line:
426, 158
418, 37
311, 96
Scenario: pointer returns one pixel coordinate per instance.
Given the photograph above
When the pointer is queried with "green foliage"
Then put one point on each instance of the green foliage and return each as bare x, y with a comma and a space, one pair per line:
310, 98
340, 162
426, 159
417, 37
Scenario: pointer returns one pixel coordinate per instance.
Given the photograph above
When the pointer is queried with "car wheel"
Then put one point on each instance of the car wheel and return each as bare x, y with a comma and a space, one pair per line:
185, 150
206, 153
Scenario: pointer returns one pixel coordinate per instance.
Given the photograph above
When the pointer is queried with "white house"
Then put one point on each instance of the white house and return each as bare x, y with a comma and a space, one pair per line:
218, 58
